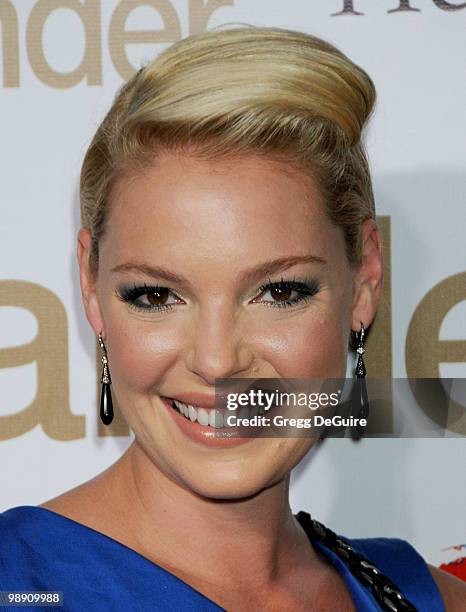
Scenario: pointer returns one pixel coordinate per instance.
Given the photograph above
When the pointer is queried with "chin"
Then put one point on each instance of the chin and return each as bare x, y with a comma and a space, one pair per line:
227, 490
231, 486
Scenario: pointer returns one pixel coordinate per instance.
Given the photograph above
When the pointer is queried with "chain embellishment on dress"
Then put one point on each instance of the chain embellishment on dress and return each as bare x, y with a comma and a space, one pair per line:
386, 593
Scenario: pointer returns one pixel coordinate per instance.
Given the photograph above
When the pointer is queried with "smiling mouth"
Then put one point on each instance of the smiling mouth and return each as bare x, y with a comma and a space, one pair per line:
214, 417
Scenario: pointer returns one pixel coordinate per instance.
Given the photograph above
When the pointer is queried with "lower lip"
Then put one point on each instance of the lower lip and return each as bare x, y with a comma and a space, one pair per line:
204, 434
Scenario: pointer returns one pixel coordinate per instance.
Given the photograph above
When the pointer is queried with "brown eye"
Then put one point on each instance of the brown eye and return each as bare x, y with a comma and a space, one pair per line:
148, 298
280, 294
157, 297
288, 293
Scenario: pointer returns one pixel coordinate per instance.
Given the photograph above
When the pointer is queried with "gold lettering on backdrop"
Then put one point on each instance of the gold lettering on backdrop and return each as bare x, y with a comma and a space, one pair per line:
424, 352
10, 44
118, 426
91, 64
89, 12
118, 36
200, 12
49, 349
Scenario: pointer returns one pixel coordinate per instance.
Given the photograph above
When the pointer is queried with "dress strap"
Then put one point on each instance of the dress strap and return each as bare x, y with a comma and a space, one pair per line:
387, 594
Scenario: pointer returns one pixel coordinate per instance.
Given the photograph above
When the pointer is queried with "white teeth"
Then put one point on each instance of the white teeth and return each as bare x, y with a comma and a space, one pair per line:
254, 411
204, 416
243, 412
215, 418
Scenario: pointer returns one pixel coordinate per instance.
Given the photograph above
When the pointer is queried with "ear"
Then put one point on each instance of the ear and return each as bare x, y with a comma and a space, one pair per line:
88, 283
368, 277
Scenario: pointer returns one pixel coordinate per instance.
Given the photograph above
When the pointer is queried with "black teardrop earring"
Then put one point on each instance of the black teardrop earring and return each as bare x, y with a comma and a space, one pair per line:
106, 404
359, 398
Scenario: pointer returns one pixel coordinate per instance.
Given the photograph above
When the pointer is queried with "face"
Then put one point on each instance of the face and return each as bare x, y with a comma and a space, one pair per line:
190, 289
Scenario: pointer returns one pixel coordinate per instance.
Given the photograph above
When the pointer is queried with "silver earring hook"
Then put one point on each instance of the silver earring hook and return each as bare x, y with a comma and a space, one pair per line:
101, 342
106, 372
106, 403
361, 334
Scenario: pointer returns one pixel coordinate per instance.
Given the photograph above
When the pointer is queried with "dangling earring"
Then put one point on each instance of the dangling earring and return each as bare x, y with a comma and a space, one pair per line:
359, 398
106, 404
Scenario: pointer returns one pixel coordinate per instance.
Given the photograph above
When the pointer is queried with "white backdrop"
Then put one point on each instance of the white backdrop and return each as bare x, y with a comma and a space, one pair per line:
409, 488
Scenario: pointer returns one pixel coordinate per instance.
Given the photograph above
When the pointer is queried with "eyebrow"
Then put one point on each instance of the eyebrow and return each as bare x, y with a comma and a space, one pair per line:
249, 276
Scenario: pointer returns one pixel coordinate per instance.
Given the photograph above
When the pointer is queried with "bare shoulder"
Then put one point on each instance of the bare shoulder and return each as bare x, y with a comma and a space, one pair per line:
99, 503
452, 589
84, 503
74, 504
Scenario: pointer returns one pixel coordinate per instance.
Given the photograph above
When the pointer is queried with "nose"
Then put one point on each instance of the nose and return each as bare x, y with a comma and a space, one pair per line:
219, 348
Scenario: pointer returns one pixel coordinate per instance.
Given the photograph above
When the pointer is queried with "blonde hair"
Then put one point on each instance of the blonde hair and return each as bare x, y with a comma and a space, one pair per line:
274, 92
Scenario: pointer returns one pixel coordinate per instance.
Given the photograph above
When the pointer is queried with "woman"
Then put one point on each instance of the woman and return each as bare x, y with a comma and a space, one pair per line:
228, 232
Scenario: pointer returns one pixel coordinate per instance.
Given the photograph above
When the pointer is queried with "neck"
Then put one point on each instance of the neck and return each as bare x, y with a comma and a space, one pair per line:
212, 540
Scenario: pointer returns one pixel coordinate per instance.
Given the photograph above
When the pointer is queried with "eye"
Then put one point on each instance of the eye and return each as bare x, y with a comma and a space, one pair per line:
144, 297
285, 293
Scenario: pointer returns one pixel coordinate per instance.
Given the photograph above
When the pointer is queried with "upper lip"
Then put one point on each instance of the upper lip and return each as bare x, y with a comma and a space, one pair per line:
218, 400
200, 400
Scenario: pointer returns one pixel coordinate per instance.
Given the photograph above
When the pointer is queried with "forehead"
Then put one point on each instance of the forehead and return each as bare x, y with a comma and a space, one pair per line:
237, 205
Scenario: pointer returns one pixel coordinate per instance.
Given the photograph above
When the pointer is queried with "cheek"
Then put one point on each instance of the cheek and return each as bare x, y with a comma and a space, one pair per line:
140, 352
312, 343
323, 350
308, 346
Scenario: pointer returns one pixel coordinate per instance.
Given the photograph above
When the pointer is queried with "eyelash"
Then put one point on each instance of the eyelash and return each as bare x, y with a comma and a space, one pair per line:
306, 289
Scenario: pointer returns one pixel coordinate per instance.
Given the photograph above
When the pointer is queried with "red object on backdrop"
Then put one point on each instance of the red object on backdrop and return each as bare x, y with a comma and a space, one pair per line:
456, 567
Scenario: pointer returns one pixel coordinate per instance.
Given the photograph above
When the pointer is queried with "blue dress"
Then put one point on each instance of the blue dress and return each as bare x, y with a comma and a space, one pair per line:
41, 550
